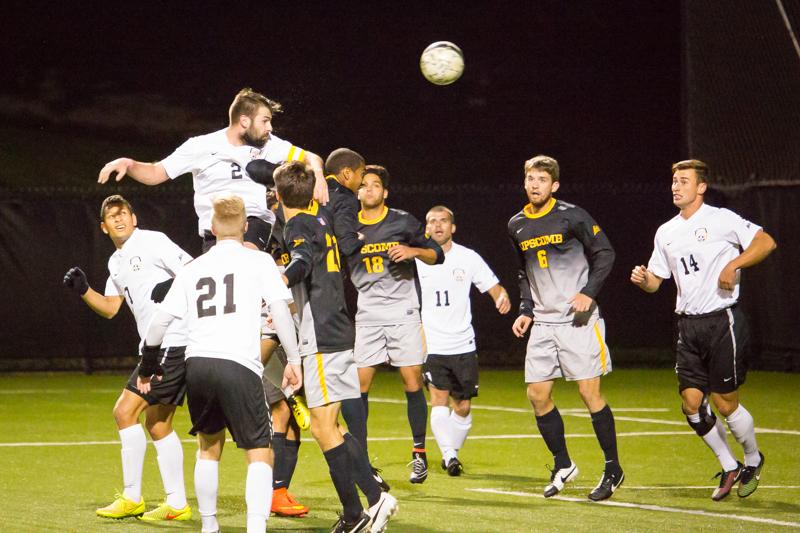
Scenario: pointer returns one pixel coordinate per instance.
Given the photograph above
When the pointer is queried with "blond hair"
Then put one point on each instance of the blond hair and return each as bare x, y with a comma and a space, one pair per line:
441, 209
229, 217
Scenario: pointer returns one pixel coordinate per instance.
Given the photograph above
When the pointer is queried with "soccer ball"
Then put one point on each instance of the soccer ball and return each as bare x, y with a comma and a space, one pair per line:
442, 63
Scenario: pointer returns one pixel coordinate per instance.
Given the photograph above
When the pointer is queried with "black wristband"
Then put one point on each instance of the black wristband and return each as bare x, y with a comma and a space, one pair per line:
149, 364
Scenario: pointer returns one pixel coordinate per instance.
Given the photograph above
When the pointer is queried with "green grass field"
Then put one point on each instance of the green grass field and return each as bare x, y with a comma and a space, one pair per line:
59, 460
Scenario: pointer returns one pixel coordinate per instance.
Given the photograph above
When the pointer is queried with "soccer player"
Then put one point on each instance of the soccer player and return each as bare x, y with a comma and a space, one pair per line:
388, 324
220, 162
564, 259
451, 368
219, 295
142, 260
701, 247
326, 346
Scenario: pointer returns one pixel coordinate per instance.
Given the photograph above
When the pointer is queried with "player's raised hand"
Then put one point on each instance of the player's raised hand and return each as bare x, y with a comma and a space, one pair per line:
521, 325
581, 303
639, 275
401, 252
75, 279
292, 377
727, 278
118, 166
321, 190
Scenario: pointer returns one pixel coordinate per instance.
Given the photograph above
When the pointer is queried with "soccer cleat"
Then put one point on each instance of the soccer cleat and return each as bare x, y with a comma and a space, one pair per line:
419, 467
454, 467
284, 504
748, 480
165, 512
727, 479
559, 476
121, 507
608, 484
381, 512
359, 526
376, 473
299, 410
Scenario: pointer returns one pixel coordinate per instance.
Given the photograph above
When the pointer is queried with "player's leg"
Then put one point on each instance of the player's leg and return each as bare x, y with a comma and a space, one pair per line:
206, 478
462, 390
258, 488
127, 409
285, 444
440, 416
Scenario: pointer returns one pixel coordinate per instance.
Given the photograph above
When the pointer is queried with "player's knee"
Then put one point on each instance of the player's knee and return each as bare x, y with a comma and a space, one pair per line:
123, 416
462, 407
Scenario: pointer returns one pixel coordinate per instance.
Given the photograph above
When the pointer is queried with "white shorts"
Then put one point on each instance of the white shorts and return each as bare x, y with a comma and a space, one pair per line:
398, 345
330, 377
566, 350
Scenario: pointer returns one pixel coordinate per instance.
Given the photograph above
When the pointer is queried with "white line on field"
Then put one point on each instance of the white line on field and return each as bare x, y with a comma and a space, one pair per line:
609, 503
687, 487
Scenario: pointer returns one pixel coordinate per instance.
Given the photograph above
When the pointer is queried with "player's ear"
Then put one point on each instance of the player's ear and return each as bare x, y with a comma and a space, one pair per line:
385, 193
213, 228
103, 228
244, 121
701, 188
453, 228
135, 222
556, 184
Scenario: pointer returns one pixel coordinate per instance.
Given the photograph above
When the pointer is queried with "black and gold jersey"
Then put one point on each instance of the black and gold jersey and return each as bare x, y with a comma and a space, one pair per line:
562, 252
314, 275
276, 247
344, 207
388, 292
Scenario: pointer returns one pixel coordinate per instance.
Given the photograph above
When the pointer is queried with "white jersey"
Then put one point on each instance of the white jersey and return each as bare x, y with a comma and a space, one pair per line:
219, 295
446, 313
695, 251
146, 258
219, 167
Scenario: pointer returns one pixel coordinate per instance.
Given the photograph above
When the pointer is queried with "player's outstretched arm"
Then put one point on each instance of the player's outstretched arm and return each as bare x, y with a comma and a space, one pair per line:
501, 300
315, 163
146, 173
760, 247
644, 279
105, 306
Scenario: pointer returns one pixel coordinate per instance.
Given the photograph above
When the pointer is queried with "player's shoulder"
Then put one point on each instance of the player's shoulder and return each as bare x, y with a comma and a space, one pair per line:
570, 210
208, 139
668, 226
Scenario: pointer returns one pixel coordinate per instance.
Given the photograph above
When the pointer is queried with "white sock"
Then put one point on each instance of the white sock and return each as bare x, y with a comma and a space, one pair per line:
742, 426
170, 463
134, 444
459, 428
440, 424
206, 485
716, 439
258, 495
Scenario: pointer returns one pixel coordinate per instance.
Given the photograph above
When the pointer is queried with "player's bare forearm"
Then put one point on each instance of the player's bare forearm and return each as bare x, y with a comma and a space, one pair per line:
402, 252
105, 306
314, 162
145, 173
501, 300
761, 246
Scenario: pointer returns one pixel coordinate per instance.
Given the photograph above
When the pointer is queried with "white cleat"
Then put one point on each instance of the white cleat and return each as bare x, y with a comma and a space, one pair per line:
558, 478
381, 512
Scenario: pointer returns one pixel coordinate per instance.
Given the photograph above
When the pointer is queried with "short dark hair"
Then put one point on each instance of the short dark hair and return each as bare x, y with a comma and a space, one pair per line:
545, 163
699, 167
342, 158
247, 101
115, 200
295, 184
381, 172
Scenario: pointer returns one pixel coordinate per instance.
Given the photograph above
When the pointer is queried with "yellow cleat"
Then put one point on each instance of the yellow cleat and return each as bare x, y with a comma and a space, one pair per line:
121, 507
166, 512
300, 411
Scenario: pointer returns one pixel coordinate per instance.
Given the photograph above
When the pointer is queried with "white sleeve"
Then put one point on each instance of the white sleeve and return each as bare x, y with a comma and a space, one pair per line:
483, 277
739, 230
111, 288
659, 265
272, 286
172, 256
278, 150
157, 328
175, 301
182, 160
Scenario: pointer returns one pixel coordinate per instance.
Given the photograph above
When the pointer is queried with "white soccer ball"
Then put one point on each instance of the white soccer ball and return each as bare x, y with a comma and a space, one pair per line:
442, 63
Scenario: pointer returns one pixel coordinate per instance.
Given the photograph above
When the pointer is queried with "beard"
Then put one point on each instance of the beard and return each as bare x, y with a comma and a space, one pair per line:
251, 139
540, 200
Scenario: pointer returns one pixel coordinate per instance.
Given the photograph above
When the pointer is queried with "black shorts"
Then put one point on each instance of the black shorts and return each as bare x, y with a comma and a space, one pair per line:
171, 389
223, 393
712, 351
457, 374
258, 232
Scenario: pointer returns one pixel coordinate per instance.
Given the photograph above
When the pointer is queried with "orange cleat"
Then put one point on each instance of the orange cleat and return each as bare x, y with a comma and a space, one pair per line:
284, 504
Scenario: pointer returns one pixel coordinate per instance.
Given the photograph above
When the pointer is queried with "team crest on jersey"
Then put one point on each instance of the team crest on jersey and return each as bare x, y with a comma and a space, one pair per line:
701, 234
254, 153
321, 220
459, 274
595, 229
136, 263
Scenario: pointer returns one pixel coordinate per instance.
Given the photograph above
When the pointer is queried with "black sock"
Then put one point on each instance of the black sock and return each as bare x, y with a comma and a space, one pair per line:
356, 420
362, 471
279, 478
551, 426
341, 468
417, 417
365, 401
603, 423
292, 448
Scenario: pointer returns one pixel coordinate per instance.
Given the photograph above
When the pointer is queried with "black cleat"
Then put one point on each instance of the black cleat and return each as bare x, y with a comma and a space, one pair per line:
748, 481
608, 484
419, 467
359, 526
376, 473
454, 467
727, 479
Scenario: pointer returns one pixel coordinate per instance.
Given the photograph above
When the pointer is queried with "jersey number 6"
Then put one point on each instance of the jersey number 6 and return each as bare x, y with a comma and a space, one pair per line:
542, 256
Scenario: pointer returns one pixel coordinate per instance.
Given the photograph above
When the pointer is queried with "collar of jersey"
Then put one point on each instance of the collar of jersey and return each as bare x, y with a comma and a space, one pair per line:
313, 207
375, 220
540, 214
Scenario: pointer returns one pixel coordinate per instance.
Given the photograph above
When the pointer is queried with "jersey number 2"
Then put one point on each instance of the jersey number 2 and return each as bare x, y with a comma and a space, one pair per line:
210, 286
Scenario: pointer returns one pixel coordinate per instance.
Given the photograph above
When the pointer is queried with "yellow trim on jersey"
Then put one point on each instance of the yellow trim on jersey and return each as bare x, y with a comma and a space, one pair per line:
374, 220
302, 155
542, 213
313, 207
602, 348
323, 387
331, 177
